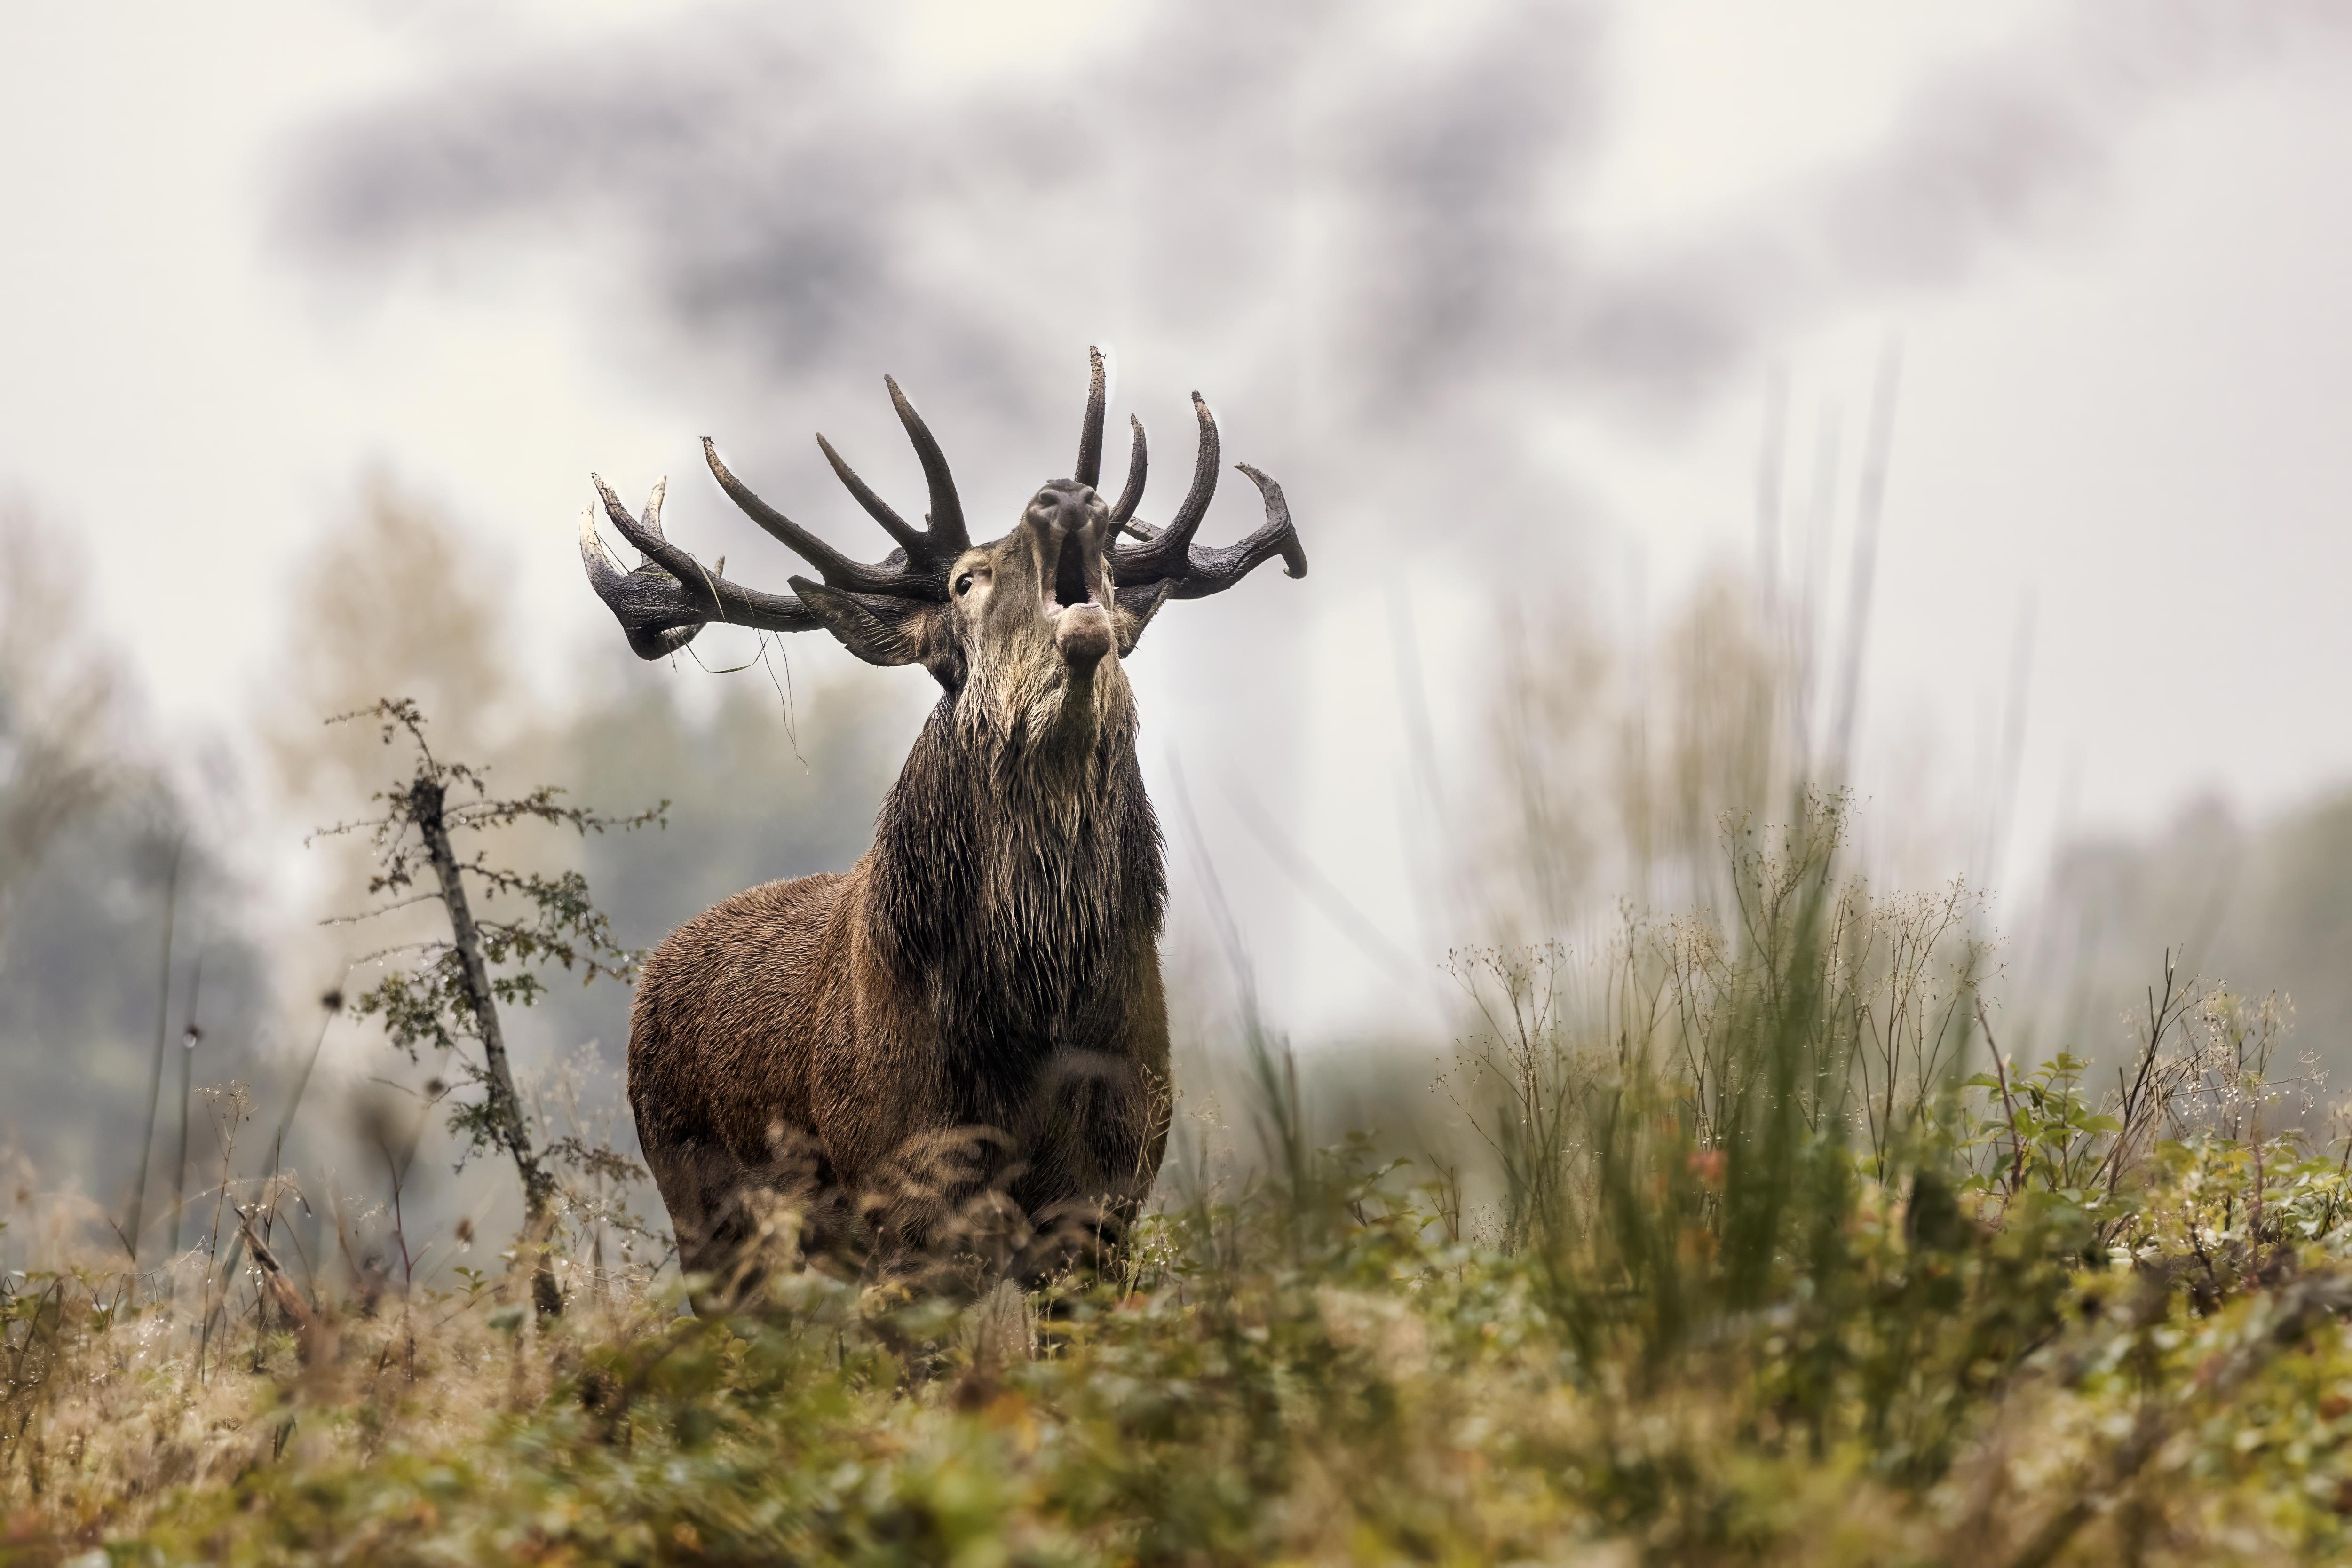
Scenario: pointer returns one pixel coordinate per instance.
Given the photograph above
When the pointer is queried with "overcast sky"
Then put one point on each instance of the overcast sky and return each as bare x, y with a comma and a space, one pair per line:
2114, 261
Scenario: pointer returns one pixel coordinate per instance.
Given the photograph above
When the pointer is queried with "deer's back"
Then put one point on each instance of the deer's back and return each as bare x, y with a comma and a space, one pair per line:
730, 1010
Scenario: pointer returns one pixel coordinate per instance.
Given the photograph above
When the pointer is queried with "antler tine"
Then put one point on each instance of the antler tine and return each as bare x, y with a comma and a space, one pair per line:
646, 535
1090, 435
703, 588
1204, 478
1197, 573
947, 538
1213, 571
621, 595
664, 603
1138, 462
910, 538
1163, 555
834, 567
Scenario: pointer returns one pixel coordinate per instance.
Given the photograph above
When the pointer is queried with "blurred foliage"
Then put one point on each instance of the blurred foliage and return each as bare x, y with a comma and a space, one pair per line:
2267, 901
761, 786
1621, 753
63, 716
394, 597
90, 816
79, 1003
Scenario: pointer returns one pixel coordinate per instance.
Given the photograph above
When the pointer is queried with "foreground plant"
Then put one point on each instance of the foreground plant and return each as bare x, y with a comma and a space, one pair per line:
442, 993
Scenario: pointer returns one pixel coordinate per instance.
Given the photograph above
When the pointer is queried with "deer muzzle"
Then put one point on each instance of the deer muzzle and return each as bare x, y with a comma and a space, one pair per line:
1068, 526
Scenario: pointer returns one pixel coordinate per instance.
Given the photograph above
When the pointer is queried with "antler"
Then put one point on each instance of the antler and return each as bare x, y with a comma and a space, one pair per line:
664, 603
1090, 469
1164, 564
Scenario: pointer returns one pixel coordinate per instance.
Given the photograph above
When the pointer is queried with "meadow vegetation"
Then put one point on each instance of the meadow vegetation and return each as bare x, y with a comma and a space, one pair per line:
1781, 1261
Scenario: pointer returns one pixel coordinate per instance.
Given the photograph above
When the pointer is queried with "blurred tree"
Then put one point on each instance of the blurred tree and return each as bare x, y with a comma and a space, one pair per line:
2260, 907
89, 815
1622, 760
62, 718
394, 599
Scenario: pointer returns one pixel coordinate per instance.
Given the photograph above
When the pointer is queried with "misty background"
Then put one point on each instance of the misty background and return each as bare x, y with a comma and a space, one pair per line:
1677, 402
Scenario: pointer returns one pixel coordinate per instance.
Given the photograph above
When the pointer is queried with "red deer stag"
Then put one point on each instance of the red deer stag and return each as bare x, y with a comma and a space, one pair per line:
970, 1021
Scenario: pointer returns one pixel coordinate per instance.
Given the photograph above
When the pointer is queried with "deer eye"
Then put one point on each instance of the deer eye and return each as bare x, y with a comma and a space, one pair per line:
962, 584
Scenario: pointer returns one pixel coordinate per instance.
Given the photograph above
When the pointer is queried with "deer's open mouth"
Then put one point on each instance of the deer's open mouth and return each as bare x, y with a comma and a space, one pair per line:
1075, 577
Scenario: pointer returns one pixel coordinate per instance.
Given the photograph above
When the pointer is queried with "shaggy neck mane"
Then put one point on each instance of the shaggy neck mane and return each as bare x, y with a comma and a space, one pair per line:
1017, 887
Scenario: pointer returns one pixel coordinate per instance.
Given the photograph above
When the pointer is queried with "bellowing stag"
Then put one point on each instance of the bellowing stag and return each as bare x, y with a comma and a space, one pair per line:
965, 1033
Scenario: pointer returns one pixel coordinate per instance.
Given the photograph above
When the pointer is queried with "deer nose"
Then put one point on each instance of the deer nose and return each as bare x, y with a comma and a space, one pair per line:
1063, 506
1066, 516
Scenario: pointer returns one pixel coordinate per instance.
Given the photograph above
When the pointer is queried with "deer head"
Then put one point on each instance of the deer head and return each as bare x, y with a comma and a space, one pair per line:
1031, 626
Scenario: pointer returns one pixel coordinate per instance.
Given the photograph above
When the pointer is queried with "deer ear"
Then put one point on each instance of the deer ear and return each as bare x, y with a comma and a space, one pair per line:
1136, 608
880, 628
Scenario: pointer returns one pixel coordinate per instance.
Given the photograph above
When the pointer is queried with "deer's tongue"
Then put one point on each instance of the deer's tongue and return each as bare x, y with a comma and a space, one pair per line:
1082, 633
